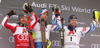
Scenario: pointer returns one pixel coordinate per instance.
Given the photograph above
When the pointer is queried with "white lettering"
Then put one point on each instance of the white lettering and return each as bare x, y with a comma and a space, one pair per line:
78, 9
80, 22
52, 5
63, 7
43, 5
55, 31
95, 35
62, 35
82, 45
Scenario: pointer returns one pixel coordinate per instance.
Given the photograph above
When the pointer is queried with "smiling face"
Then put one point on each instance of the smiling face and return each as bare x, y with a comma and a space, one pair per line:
44, 16
23, 20
73, 22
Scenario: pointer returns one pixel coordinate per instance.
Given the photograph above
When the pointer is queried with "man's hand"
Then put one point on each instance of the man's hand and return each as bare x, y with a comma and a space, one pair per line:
56, 10
11, 12
27, 8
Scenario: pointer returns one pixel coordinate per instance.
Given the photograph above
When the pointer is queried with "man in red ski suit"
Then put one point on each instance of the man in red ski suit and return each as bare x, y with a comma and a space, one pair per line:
19, 30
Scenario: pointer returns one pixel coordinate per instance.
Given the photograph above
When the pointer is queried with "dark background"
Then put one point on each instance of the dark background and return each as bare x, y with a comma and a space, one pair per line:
84, 15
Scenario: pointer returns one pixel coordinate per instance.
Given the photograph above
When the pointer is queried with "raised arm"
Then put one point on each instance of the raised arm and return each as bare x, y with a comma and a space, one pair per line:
92, 27
27, 8
56, 20
93, 24
34, 19
5, 23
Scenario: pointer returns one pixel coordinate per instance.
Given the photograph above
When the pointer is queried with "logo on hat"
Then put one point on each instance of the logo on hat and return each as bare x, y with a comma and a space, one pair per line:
43, 11
74, 17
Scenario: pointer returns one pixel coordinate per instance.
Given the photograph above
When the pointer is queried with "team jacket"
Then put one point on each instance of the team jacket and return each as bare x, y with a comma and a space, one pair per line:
19, 32
48, 28
72, 37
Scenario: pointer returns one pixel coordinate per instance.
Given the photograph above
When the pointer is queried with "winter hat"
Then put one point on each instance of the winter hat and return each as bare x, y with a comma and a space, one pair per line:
72, 17
43, 11
21, 15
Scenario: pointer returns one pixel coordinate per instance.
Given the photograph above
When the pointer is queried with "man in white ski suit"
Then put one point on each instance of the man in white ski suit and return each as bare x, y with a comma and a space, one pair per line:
37, 29
72, 33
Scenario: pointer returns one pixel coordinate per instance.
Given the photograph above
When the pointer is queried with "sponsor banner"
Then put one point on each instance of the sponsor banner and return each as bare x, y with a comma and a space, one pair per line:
57, 43
64, 7
82, 11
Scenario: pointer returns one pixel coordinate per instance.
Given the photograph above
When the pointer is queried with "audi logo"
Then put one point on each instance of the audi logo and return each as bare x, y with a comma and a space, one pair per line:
95, 46
11, 39
23, 37
55, 43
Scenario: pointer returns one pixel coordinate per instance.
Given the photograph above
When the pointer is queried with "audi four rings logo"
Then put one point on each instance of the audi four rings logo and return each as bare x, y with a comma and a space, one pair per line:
55, 43
23, 37
11, 39
95, 46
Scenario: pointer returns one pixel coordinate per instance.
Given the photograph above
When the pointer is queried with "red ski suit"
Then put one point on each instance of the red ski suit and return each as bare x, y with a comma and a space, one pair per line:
19, 32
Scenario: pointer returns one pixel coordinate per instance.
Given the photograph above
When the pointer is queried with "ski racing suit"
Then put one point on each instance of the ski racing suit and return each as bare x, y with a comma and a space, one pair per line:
72, 37
19, 32
48, 28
